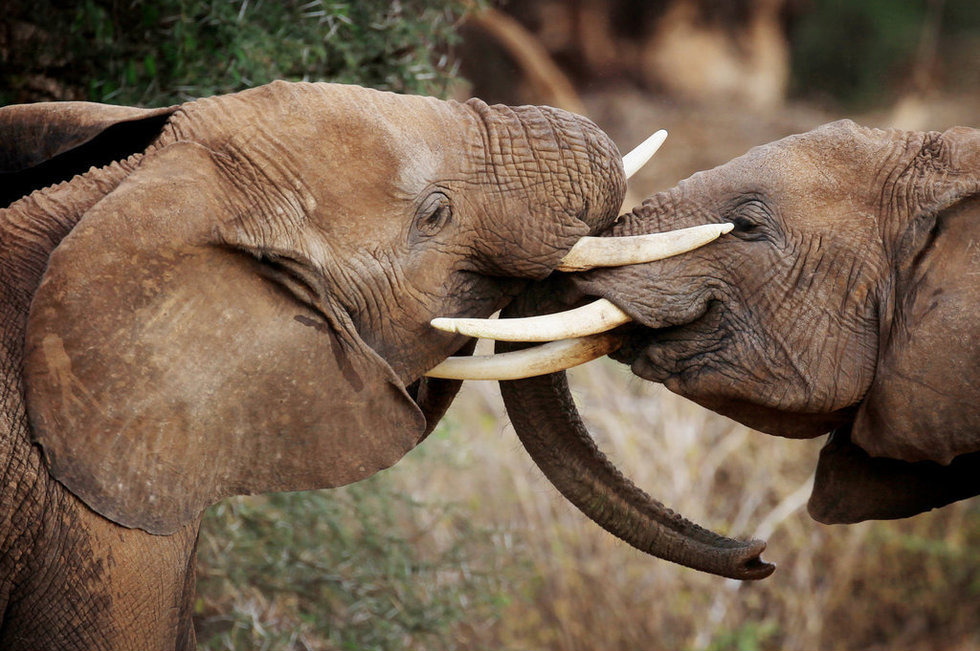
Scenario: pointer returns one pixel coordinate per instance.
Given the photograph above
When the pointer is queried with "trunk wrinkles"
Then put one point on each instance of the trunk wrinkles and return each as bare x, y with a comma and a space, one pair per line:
548, 424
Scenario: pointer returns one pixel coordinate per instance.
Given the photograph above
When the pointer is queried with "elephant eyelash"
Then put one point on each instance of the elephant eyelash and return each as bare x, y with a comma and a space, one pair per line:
746, 226
751, 220
747, 229
434, 215
438, 218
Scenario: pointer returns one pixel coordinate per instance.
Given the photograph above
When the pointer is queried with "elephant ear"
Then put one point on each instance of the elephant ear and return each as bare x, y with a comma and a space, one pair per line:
920, 421
48, 142
166, 369
924, 403
852, 486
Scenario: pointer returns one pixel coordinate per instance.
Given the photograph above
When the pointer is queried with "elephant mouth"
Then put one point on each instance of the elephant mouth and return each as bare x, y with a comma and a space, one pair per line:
641, 351
420, 391
607, 326
433, 396
657, 353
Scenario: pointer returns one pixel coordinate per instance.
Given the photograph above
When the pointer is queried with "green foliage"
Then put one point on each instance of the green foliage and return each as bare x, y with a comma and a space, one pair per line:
863, 52
352, 568
853, 50
159, 52
751, 636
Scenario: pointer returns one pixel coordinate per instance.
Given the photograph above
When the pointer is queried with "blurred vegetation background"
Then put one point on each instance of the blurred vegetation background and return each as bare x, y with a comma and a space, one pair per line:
163, 52
463, 545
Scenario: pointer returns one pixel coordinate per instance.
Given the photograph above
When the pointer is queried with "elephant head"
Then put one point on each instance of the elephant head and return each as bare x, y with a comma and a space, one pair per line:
243, 303
845, 300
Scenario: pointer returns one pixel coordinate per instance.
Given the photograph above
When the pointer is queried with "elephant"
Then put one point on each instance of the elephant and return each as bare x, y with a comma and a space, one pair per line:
232, 296
844, 300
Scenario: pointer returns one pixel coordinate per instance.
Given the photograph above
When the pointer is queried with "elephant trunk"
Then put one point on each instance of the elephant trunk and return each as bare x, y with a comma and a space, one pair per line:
548, 424
567, 164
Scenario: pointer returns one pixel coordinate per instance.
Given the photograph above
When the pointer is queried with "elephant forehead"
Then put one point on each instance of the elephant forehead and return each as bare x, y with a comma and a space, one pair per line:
807, 181
322, 130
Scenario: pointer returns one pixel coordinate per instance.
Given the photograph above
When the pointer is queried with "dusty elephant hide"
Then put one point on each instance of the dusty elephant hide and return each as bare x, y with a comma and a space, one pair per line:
234, 297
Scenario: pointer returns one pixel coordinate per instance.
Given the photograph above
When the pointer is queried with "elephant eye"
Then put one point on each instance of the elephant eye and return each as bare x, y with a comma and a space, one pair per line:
751, 220
434, 214
745, 226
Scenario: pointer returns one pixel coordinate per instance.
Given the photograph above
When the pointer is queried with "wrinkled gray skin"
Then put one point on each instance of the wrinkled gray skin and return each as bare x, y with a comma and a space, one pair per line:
234, 299
846, 300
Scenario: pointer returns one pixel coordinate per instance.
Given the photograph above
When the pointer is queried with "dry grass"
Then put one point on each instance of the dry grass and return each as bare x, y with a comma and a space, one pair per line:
465, 545
911, 585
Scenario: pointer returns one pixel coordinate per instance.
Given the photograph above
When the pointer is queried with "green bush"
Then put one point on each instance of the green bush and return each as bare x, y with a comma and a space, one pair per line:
162, 52
351, 568
861, 53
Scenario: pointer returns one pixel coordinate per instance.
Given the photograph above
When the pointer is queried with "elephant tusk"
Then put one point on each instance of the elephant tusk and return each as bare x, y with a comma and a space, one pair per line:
539, 360
591, 252
633, 161
598, 316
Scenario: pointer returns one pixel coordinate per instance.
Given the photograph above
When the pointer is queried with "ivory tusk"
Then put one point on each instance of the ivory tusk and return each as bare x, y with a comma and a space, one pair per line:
539, 360
591, 252
598, 316
633, 161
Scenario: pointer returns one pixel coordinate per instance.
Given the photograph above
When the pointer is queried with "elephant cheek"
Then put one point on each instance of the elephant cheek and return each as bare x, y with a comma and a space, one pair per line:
652, 366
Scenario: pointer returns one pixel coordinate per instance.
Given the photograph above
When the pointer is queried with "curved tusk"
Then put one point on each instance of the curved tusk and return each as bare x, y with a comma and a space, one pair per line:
590, 319
539, 360
591, 252
633, 161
